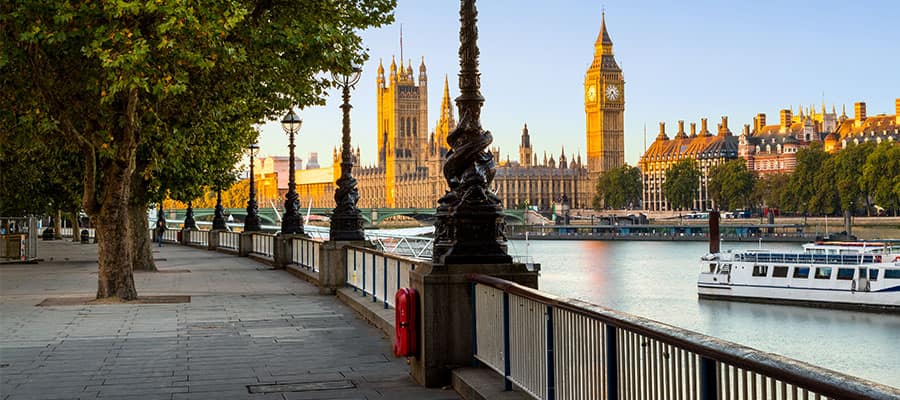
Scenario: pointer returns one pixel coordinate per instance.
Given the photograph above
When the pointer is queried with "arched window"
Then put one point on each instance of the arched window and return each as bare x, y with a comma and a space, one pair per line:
415, 128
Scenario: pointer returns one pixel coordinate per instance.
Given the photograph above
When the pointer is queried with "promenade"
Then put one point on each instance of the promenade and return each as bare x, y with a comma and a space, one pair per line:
246, 332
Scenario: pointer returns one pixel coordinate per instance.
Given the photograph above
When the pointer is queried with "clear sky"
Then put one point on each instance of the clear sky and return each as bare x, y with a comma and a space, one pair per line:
681, 60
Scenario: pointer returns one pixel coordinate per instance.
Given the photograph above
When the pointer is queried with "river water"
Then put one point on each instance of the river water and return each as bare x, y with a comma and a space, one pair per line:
657, 280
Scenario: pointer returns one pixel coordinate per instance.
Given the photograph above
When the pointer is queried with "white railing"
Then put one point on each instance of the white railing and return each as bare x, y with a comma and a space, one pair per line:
419, 247
263, 244
380, 275
229, 240
170, 235
556, 348
67, 232
306, 253
197, 237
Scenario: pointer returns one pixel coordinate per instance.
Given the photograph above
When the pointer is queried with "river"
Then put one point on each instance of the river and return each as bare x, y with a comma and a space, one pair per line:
657, 280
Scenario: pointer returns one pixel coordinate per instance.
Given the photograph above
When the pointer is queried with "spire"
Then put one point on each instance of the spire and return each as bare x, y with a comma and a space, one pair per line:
393, 65
603, 37
422, 65
380, 67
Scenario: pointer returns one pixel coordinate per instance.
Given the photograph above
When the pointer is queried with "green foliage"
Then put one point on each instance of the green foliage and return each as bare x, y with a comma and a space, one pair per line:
731, 184
881, 174
682, 181
804, 196
849, 162
618, 188
771, 190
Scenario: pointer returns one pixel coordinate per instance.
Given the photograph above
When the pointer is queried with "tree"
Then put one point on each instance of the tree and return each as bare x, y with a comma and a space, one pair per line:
120, 79
771, 190
731, 184
852, 189
618, 188
881, 173
680, 186
803, 196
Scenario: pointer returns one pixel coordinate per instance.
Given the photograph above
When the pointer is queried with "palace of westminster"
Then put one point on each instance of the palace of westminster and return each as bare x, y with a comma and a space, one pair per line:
408, 173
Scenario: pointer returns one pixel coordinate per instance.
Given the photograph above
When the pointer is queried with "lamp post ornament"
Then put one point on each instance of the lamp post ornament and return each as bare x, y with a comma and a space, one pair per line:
291, 221
251, 223
469, 218
346, 219
219, 215
189, 222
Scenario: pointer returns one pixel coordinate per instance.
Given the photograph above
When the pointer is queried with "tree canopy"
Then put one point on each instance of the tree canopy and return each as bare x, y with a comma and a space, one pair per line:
618, 188
680, 187
731, 184
161, 96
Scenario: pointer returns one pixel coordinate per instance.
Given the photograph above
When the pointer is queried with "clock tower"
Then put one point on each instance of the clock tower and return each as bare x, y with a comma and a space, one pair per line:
604, 108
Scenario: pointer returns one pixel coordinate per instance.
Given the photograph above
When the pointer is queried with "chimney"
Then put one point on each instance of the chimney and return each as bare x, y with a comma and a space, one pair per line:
746, 129
859, 113
761, 121
723, 127
662, 131
693, 129
785, 119
897, 111
703, 130
680, 133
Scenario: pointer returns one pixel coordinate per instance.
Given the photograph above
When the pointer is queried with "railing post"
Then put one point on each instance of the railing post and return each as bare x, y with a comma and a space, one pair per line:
709, 384
551, 373
384, 282
507, 383
612, 363
474, 286
374, 281
363, 283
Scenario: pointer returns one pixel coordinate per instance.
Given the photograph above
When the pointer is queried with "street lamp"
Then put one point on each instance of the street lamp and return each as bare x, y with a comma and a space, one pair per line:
189, 222
469, 218
346, 219
251, 223
219, 215
291, 222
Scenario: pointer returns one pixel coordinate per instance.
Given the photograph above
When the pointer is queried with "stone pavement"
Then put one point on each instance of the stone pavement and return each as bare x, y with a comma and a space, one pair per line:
245, 326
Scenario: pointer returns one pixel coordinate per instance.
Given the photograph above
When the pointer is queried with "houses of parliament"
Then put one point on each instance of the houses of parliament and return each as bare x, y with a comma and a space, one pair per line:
408, 172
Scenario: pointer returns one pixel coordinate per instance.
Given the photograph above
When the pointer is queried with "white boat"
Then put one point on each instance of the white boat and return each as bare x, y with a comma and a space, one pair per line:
852, 274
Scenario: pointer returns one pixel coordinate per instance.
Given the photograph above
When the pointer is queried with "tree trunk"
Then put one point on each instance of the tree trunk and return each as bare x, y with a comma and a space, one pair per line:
140, 238
57, 225
76, 228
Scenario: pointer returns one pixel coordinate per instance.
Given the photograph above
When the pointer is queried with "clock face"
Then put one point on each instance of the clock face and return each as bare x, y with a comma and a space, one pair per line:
612, 92
592, 93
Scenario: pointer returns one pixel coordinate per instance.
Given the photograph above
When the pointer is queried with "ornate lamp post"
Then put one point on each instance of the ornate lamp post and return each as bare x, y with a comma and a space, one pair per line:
189, 222
251, 223
346, 219
219, 215
469, 218
291, 222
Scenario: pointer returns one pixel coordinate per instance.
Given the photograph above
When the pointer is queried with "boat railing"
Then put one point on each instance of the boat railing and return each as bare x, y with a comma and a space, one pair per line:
808, 258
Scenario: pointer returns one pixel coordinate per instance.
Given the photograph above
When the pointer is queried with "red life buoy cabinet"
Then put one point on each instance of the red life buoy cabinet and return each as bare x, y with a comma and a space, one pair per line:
406, 303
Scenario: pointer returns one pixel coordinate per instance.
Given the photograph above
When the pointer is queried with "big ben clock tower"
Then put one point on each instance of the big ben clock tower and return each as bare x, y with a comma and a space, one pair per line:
604, 108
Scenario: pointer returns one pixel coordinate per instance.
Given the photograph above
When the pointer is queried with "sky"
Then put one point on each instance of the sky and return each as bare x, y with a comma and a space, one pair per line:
680, 60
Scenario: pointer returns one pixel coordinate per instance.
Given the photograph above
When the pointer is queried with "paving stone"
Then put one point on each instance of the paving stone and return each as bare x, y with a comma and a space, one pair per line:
241, 327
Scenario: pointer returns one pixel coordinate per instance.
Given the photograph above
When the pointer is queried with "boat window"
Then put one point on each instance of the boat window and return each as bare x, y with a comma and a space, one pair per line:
823, 273
801, 272
845, 274
779, 271
892, 274
712, 267
760, 270
873, 274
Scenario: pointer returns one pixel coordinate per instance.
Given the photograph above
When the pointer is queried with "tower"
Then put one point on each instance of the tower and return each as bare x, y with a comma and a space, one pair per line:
525, 148
604, 107
402, 121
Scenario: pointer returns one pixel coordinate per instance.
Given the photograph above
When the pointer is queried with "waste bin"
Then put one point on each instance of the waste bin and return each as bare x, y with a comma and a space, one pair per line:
178, 236
85, 236
48, 234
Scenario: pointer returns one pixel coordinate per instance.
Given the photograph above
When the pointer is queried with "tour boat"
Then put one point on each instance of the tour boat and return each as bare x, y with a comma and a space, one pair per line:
847, 274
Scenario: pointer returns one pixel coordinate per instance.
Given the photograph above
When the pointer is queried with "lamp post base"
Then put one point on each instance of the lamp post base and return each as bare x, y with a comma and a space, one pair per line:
347, 225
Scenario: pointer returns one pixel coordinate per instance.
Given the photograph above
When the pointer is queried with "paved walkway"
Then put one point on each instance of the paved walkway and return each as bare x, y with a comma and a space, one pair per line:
245, 325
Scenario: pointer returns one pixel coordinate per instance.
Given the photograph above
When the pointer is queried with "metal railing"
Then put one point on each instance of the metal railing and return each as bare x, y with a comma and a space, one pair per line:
306, 253
229, 240
410, 246
170, 235
378, 274
197, 237
556, 348
67, 232
263, 244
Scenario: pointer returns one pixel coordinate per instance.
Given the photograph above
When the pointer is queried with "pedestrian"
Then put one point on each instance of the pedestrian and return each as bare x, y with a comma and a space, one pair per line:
160, 228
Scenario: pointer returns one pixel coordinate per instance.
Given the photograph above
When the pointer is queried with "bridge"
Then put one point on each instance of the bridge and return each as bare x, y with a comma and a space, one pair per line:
372, 215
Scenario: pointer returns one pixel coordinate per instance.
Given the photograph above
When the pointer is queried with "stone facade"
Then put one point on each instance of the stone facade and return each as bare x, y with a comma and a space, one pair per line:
862, 128
604, 108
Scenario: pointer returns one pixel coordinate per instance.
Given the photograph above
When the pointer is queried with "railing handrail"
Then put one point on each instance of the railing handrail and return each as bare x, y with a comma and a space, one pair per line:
823, 381
389, 255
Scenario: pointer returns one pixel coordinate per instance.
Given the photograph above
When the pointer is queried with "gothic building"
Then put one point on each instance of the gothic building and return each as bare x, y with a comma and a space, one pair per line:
862, 128
770, 149
604, 108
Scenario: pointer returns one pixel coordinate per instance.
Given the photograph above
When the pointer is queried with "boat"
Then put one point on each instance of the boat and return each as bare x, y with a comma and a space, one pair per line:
832, 274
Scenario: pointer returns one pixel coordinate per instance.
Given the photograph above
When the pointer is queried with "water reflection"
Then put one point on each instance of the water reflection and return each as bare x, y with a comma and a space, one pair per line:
657, 280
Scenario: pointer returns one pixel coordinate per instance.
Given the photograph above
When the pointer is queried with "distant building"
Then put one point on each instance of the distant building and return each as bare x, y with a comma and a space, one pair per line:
706, 149
772, 149
313, 162
862, 128
604, 108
